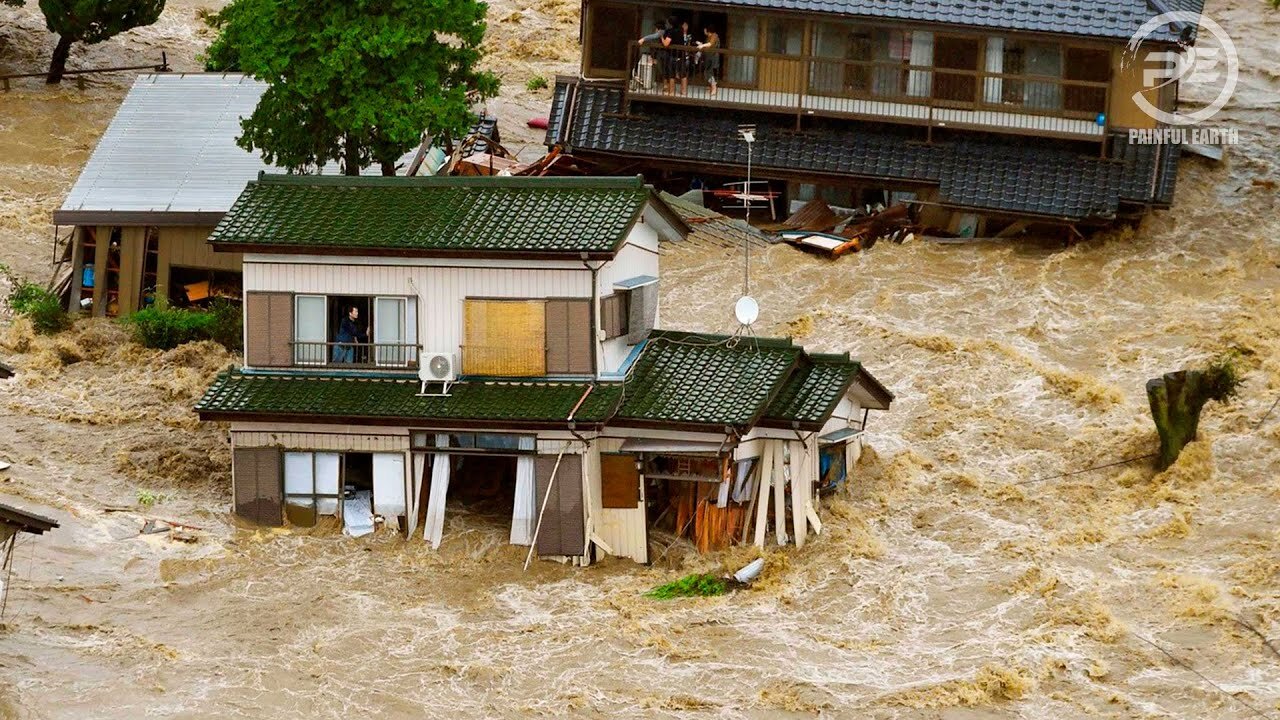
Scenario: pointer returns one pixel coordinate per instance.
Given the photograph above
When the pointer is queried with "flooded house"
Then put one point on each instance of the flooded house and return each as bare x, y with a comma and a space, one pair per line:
158, 181
985, 119
418, 347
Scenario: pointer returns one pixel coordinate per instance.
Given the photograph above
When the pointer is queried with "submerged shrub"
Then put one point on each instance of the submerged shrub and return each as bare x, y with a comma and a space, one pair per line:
537, 82
34, 302
228, 325
165, 328
695, 585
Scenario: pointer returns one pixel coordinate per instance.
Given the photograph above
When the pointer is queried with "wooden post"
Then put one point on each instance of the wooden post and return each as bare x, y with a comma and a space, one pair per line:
102, 248
132, 249
162, 267
780, 491
799, 491
77, 269
766, 477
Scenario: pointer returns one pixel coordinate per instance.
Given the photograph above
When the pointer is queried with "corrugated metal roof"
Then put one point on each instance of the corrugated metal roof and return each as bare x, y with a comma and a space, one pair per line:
172, 148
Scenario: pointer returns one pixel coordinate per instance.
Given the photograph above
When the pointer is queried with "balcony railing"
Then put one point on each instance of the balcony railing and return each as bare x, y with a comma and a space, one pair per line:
894, 91
356, 356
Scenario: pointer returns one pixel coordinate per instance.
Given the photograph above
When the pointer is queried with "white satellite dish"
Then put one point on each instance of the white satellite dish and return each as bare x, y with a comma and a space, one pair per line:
747, 310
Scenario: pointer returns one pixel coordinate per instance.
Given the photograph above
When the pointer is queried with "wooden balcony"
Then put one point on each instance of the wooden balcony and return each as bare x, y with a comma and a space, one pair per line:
879, 91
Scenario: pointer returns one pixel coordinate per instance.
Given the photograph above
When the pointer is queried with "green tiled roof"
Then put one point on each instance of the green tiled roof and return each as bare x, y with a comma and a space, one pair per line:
813, 390
434, 214
238, 394
689, 378
680, 379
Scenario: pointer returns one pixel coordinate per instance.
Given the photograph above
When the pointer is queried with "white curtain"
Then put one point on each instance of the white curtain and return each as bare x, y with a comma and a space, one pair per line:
439, 490
743, 484
993, 87
525, 511
920, 82
415, 489
299, 478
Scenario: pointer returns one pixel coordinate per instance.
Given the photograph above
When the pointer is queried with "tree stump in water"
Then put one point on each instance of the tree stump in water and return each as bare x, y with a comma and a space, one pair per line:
1176, 401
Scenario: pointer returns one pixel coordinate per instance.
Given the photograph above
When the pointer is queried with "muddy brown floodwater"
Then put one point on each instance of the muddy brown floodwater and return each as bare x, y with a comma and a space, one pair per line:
956, 580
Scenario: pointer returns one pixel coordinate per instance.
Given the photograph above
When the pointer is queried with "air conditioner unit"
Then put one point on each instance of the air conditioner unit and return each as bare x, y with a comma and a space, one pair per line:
437, 367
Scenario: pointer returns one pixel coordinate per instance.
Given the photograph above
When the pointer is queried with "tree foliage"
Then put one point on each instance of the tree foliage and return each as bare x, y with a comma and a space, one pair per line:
92, 21
352, 81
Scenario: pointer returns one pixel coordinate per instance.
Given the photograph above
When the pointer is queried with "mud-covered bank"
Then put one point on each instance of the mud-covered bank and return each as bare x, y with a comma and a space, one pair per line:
959, 579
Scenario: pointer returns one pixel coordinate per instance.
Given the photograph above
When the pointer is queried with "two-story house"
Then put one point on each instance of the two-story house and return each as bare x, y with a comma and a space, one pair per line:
993, 113
419, 344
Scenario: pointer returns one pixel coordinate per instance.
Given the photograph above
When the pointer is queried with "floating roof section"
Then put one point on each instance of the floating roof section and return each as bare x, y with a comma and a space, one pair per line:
436, 216
1111, 19
24, 521
169, 156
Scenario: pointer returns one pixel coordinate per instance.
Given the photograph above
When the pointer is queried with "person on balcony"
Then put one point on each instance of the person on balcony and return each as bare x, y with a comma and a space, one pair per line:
683, 58
349, 332
710, 53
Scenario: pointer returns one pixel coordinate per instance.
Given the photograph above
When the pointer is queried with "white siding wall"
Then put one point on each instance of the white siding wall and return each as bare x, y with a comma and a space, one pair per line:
440, 290
623, 530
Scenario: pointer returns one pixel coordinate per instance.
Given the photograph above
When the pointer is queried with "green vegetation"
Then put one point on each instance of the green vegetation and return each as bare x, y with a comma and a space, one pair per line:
42, 307
353, 81
165, 328
90, 22
695, 585
1177, 398
147, 498
537, 82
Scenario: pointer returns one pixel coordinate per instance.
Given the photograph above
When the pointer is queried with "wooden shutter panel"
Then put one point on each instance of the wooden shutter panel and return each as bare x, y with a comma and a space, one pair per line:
557, 329
614, 315
563, 527
619, 481
268, 318
256, 485
581, 346
642, 313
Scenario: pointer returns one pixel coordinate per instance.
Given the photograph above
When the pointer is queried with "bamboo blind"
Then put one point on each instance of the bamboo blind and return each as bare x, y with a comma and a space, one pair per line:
504, 337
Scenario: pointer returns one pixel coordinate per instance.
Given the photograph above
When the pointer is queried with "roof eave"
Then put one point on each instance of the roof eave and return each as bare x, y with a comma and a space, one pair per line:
394, 421
361, 251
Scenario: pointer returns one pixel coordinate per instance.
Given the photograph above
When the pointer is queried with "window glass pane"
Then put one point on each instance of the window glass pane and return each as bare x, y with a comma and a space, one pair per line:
310, 330
388, 331
743, 34
498, 442
298, 476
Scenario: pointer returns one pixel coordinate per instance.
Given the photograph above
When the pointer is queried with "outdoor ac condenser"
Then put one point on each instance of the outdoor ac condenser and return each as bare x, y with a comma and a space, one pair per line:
437, 367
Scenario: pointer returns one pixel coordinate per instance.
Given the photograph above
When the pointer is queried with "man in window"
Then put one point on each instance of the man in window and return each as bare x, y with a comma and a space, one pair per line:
348, 332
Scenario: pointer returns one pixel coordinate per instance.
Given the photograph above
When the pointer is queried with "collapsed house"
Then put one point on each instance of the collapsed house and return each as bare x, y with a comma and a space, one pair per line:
981, 118
13, 521
417, 346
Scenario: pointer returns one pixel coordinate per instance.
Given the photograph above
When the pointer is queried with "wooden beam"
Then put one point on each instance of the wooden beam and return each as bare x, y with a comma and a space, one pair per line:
766, 478
162, 268
132, 249
102, 248
77, 269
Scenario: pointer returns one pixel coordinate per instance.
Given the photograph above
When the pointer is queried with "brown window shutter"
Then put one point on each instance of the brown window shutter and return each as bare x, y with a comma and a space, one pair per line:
268, 318
581, 346
256, 482
613, 314
563, 527
619, 481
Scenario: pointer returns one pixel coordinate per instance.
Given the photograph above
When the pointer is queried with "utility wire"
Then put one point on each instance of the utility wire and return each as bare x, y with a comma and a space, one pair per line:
1202, 676
1088, 469
1264, 417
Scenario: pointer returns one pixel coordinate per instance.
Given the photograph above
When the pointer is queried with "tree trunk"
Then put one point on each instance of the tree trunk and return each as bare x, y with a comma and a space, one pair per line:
388, 168
58, 65
1176, 400
351, 159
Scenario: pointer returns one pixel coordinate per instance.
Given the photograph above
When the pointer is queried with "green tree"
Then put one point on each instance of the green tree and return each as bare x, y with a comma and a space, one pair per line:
92, 21
353, 81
